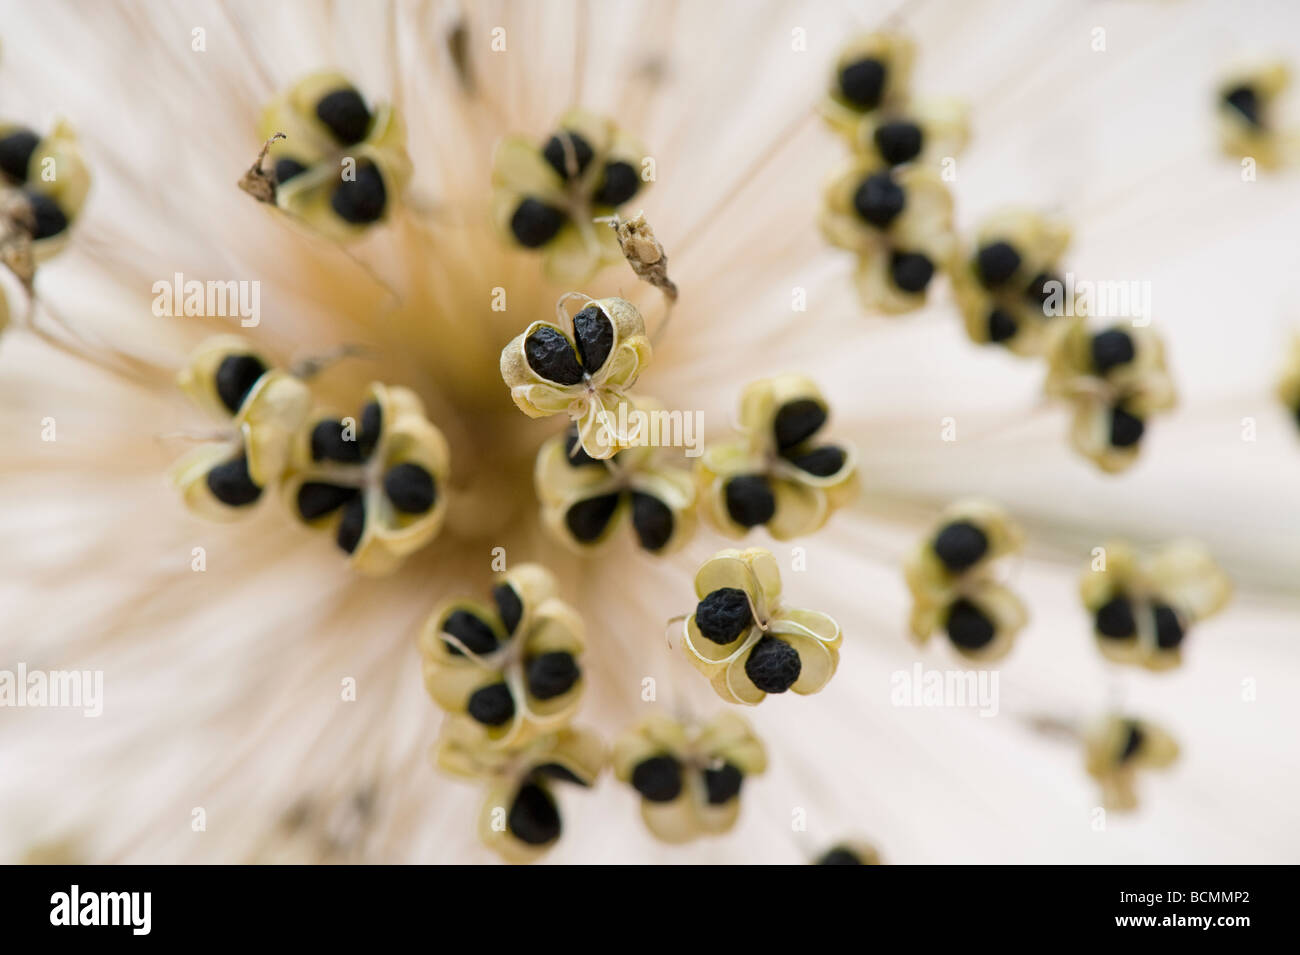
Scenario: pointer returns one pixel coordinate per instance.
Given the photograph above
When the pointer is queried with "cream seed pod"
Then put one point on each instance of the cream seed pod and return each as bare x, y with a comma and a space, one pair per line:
1142, 607
45, 181
509, 671
1116, 747
689, 777
377, 482
342, 164
778, 474
850, 852
520, 819
746, 642
872, 71
547, 198
583, 500
1288, 387
583, 373
899, 224
260, 408
923, 133
1008, 286
951, 578
1115, 380
1247, 124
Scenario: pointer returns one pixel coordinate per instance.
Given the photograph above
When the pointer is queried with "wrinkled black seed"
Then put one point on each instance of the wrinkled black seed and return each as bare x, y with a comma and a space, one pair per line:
593, 333
1245, 101
344, 112
588, 519
863, 82
723, 784
911, 271
898, 142
361, 200
750, 501
658, 779
620, 185
1115, 618
474, 633
236, 376
231, 484
1002, 326
492, 705
574, 453
1110, 349
879, 199
1169, 629
16, 154
353, 524
1133, 740
509, 607
797, 421
49, 218
839, 856
552, 674
410, 488
652, 520
286, 169
551, 356
535, 223
996, 262
534, 817
370, 428
967, 625
724, 614
316, 499
821, 462
328, 443
556, 153
1125, 429
1039, 290
960, 545
773, 665
561, 772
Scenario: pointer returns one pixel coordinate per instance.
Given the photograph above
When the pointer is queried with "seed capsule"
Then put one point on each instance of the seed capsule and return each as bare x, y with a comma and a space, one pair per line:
47, 181
853, 852
1116, 747
1245, 117
924, 133
871, 73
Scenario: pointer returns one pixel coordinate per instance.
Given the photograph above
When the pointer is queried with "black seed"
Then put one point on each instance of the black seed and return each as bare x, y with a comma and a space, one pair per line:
534, 818
556, 153
370, 428
996, 262
1244, 100
658, 779
652, 520
560, 772
879, 199
1169, 629
286, 169
328, 443
535, 223
579, 457
1115, 618
1125, 429
552, 356
552, 674
960, 545
773, 665
49, 218
862, 83
16, 154
1039, 292
410, 488
724, 614
839, 856
750, 501
911, 271
1133, 741
723, 783
346, 115
822, 462
1110, 349
797, 421
620, 185
353, 524
492, 705
509, 606
236, 376
967, 626
474, 633
361, 200
593, 333
588, 519
1002, 326
231, 484
316, 499
898, 142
